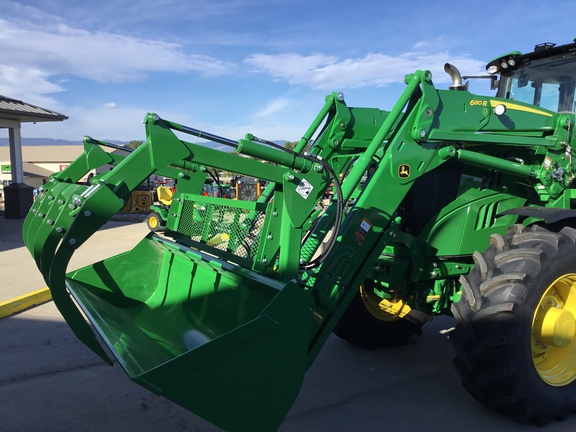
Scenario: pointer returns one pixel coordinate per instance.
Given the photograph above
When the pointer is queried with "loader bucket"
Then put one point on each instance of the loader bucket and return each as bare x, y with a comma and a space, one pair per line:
198, 330
218, 319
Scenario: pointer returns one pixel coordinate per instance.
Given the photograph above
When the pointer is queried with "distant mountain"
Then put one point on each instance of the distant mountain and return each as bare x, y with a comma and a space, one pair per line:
49, 142
41, 142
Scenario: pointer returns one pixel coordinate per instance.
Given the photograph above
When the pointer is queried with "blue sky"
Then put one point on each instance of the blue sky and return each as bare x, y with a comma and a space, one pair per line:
236, 66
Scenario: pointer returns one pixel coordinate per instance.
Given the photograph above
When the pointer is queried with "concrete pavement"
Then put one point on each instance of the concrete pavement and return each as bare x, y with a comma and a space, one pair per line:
50, 382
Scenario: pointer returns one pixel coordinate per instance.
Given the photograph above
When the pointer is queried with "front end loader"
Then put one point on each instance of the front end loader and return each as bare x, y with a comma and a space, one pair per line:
224, 312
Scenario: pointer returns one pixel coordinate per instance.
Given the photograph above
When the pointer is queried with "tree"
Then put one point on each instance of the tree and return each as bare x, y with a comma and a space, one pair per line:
291, 145
134, 144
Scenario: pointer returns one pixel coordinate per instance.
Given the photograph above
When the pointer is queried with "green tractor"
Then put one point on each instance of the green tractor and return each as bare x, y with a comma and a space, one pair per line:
156, 220
450, 203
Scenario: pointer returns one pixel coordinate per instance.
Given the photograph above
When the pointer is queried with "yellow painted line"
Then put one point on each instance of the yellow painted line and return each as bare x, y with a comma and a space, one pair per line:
27, 301
517, 107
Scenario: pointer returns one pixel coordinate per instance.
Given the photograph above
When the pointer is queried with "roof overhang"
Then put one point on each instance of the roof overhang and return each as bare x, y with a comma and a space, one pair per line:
12, 109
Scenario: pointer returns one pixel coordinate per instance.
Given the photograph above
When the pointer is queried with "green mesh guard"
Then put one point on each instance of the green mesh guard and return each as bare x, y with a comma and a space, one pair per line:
232, 229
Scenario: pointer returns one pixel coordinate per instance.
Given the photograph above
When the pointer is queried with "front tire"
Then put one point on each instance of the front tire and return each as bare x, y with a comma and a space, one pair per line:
515, 324
360, 326
155, 222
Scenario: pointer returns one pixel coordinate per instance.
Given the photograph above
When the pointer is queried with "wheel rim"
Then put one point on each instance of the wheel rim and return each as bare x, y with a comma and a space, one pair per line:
153, 221
383, 309
553, 332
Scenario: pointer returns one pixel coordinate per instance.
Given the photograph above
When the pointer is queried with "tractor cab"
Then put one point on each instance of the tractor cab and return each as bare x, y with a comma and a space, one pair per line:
545, 77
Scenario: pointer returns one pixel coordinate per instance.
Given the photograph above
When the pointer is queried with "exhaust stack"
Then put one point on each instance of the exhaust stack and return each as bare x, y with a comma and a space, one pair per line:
456, 77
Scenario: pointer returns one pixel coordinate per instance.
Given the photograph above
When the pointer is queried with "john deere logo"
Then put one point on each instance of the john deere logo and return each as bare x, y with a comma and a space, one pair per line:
404, 171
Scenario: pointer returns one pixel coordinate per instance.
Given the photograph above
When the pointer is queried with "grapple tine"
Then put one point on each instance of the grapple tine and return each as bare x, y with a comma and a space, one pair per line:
64, 303
29, 228
48, 224
54, 194
52, 236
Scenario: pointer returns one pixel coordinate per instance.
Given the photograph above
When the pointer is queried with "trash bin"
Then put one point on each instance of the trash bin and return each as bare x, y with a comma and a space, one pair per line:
18, 198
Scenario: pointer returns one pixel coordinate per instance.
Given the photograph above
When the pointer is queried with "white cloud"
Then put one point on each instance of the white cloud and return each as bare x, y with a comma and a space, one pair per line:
27, 83
101, 122
285, 119
110, 105
33, 57
272, 108
291, 67
102, 57
374, 69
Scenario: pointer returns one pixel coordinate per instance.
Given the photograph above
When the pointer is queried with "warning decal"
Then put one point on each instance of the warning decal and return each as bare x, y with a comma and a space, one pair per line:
304, 189
362, 230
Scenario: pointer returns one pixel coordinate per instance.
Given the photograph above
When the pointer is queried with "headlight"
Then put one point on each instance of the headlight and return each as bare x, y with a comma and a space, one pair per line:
499, 109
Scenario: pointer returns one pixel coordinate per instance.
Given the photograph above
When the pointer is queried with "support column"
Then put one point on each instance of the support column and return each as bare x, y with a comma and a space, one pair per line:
15, 141
18, 196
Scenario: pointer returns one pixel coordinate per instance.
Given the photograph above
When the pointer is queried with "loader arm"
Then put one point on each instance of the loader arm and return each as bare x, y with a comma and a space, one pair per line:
249, 301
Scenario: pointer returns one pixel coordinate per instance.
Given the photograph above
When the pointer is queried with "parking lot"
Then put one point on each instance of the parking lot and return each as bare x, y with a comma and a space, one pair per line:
50, 382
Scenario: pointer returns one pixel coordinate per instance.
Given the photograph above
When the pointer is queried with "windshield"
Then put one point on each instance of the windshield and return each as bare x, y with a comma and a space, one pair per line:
548, 83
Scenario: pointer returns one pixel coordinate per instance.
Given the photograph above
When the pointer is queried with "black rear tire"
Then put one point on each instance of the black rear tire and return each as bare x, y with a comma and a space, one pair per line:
500, 353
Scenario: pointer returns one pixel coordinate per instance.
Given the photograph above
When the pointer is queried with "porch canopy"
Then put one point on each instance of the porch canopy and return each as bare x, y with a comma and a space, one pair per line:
19, 196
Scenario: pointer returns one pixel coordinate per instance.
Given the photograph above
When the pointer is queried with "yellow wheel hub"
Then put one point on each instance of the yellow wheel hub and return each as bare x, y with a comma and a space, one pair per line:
153, 221
554, 332
383, 309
